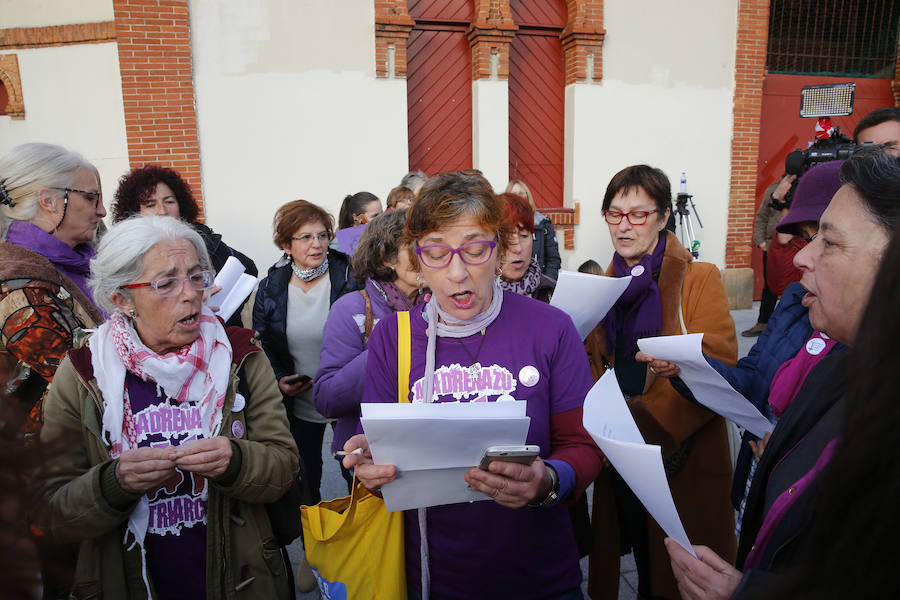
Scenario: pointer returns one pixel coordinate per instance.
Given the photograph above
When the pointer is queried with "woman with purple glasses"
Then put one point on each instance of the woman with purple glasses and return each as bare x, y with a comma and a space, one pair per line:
495, 346
669, 294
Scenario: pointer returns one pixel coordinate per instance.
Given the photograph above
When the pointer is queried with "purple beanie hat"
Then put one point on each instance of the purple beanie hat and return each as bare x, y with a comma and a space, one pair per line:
814, 191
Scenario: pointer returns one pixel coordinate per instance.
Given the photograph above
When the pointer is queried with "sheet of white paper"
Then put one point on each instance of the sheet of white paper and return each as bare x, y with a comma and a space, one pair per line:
433, 445
227, 278
641, 466
443, 410
608, 420
709, 388
587, 298
606, 413
243, 288
431, 487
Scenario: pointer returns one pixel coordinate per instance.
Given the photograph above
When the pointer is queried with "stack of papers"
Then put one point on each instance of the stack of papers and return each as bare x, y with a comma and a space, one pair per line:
236, 286
433, 446
609, 421
587, 298
709, 388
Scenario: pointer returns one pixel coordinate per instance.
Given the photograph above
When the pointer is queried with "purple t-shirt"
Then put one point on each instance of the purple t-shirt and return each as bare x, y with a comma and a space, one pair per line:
531, 352
176, 534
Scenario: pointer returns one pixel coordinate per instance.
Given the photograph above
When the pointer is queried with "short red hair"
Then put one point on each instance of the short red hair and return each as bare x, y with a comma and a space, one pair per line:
519, 213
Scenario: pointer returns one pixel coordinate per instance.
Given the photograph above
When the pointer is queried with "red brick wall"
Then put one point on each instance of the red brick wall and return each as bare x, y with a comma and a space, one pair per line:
583, 37
57, 35
750, 70
392, 27
490, 35
154, 38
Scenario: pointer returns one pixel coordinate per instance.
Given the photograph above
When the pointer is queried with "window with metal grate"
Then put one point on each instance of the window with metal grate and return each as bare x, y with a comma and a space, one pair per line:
834, 37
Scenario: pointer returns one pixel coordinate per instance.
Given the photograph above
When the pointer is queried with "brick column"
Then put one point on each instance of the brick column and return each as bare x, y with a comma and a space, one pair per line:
490, 35
392, 27
154, 39
750, 71
582, 40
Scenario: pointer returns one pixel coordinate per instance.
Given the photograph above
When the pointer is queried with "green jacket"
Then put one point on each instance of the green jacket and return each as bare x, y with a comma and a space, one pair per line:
83, 501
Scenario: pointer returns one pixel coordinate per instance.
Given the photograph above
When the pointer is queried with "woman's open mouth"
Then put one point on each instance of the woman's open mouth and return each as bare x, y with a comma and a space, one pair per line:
191, 319
463, 299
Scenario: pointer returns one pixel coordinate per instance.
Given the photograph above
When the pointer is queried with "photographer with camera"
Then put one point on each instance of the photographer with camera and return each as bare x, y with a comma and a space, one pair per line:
771, 210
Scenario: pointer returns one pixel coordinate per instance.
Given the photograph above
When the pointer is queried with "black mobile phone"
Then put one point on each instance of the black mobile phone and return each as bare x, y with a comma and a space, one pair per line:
295, 378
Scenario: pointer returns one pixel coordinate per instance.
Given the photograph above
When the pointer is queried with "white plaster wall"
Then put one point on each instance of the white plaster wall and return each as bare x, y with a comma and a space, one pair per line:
490, 130
666, 99
73, 97
289, 107
41, 13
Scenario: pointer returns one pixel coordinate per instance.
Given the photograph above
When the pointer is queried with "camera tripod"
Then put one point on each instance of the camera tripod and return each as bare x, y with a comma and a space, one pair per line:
686, 235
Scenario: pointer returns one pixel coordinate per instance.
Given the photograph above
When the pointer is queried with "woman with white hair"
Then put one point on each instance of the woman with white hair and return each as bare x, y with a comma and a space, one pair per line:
175, 432
50, 206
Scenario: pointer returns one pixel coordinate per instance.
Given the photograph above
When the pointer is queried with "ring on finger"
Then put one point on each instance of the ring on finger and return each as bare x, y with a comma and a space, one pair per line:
652, 370
496, 493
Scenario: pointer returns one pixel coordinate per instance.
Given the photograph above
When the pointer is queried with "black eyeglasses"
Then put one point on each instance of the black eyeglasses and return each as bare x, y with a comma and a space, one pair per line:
94, 197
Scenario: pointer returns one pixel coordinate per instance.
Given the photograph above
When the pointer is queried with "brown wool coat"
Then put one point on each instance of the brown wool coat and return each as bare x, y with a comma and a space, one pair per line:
702, 488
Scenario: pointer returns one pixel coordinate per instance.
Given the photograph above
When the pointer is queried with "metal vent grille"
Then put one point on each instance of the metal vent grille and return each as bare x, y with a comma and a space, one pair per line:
834, 37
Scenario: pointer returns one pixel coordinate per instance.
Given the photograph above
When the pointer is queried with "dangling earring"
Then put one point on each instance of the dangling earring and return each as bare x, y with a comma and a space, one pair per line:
131, 313
419, 282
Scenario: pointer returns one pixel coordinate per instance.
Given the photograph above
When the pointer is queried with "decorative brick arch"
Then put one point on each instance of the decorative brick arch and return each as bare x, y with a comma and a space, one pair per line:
12, 82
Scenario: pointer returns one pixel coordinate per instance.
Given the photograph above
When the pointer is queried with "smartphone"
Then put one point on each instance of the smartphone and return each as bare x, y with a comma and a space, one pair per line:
295, 378
524, 454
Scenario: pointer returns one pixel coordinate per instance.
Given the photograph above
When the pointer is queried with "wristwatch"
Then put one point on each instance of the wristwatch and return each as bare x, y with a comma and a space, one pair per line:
553, 494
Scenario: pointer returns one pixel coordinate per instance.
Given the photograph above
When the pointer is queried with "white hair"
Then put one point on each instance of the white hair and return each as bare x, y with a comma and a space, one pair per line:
120, 255
29, 168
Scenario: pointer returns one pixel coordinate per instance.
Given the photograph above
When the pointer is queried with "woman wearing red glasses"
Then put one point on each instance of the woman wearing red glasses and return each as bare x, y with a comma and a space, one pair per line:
473, 342
669, 294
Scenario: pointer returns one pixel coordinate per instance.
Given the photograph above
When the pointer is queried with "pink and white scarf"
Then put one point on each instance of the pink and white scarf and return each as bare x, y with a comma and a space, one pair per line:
199, 372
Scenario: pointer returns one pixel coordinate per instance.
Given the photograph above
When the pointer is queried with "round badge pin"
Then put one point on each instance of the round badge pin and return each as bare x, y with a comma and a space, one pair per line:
529, 376
237, 429
637, 271
815, 346
239, 403
506, 398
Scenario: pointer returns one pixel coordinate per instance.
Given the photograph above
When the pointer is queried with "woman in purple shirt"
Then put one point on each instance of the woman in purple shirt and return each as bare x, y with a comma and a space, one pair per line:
472, 342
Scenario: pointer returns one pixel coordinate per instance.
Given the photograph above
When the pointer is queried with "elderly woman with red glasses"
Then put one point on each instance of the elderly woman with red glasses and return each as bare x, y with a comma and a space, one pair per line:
167, 466
669, 294
500, 346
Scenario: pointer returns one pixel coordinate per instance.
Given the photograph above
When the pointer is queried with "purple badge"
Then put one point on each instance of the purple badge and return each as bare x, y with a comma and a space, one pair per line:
237, 429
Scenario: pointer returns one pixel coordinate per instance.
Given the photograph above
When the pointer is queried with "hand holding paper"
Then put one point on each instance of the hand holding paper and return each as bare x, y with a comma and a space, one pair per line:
609, 421
709, 388
236, 287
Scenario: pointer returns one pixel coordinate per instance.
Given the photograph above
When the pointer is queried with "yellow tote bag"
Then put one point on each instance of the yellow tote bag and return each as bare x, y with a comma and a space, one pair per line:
354, 546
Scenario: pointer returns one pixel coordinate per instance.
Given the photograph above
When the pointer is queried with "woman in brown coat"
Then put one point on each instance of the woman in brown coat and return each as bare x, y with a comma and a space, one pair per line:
669, 295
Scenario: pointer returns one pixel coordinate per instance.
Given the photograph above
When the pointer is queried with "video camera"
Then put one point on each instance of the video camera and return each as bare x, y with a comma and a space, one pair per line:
835, 147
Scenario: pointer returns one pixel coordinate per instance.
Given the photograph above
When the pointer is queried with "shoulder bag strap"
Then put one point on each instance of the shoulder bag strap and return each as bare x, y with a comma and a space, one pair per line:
403, 356
370, 318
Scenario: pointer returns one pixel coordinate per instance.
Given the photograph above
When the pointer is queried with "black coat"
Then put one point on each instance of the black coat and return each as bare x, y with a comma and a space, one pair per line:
219, 252
816, 404
546, 249
270, 308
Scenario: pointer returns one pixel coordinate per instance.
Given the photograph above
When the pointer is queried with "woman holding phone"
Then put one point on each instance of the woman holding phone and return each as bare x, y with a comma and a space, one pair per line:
291, 306
495, 343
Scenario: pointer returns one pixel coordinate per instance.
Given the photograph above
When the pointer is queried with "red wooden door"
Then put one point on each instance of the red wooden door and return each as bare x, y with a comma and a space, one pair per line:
439, 86
537, 77
782, 129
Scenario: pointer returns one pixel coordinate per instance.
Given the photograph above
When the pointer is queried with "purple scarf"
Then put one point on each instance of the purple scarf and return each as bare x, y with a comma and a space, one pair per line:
74, 263
790, 376
394, 296
639, 309
527, 284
